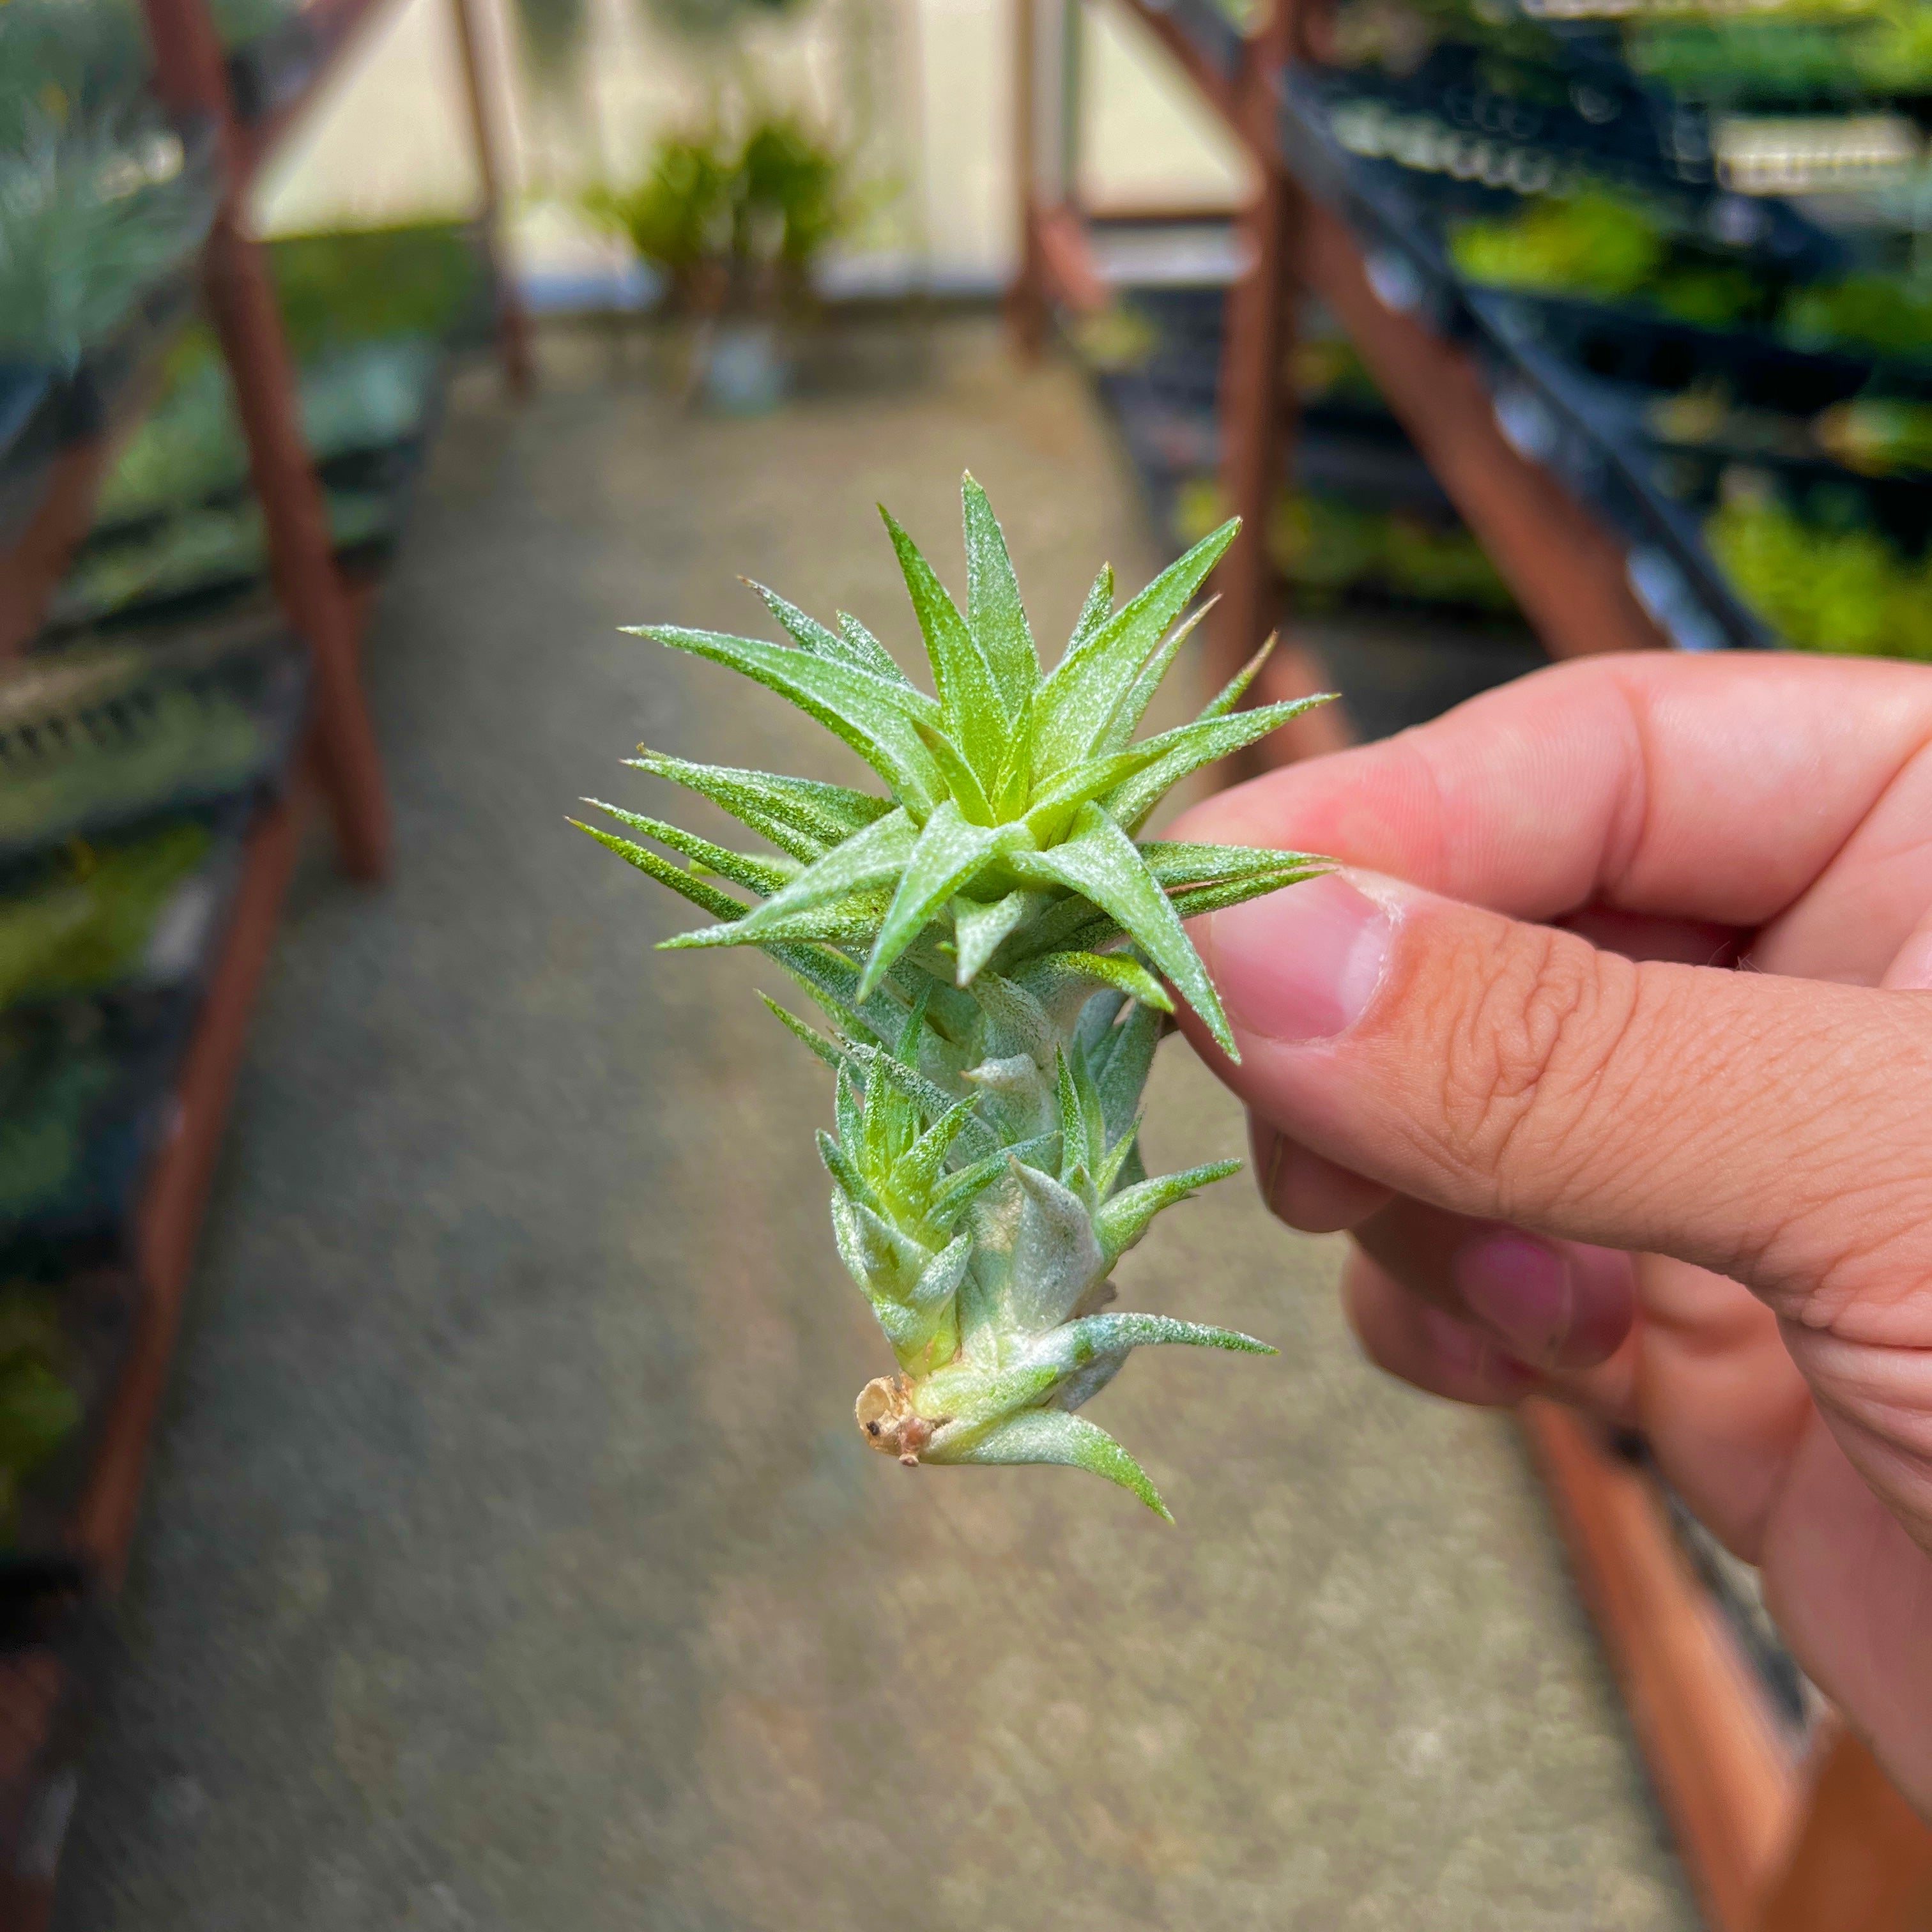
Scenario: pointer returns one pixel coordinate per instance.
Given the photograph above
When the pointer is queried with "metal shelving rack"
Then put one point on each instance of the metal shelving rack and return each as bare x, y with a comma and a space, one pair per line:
337, 763
1775, 1838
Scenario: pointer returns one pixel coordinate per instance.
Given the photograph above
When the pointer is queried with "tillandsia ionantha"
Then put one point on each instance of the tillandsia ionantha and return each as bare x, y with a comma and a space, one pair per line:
984, 942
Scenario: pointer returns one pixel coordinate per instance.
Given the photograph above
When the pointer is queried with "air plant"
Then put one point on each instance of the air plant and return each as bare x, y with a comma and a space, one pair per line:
91, 217
983, 941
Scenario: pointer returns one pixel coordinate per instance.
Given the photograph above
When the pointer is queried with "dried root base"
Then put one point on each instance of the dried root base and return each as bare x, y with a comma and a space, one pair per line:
887, 1420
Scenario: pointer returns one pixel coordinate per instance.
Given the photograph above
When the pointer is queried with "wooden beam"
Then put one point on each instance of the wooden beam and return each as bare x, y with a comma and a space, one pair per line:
1566, 570
1861, 1859
1727, 1780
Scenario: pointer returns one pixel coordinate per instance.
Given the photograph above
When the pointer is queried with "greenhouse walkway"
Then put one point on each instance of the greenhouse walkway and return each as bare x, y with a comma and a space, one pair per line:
510, 1560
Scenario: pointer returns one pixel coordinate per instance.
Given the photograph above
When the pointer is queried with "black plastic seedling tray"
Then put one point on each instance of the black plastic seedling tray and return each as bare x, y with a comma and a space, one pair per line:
98, 738
88, 1092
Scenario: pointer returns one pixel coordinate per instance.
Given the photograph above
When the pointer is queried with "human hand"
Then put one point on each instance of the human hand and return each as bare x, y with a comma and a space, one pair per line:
1614, 1050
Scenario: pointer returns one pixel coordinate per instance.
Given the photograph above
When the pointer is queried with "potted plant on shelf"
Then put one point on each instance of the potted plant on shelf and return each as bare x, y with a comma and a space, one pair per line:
735, 226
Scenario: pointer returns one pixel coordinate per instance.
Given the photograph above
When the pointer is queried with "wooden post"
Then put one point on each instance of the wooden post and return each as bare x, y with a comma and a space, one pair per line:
194, 81
1257, 410
513, 327
1860, 1860
1026, 298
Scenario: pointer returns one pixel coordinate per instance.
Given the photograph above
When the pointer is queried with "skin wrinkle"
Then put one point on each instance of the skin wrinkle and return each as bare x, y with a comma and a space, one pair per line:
1786, 928
1618, 856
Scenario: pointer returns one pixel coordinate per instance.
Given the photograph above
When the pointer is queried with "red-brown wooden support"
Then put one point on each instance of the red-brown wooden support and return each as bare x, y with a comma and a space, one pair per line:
193, 79
1257, 408
1027, 296
513, 327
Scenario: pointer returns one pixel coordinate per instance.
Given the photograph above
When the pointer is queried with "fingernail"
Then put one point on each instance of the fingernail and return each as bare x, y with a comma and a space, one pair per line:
1302, 963
1519, 1287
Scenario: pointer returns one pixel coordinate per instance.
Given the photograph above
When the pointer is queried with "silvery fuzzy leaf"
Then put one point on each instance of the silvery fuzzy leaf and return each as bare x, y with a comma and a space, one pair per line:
994, 611
949, 853
968, 1397
885, 1262
978, 929
876, 718
720, 905
1017, 1022
1138, 695
1021, 1094
762, 876
973, 713
799, 816
862, 652
1075, 1344
1073, 706
1188, 747
869, 860
1053, 1435
833, 1054
1122, 1220
1056, 1257
1099, 862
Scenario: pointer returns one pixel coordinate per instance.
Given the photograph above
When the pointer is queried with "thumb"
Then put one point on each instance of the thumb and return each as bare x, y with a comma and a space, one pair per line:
1768, 1128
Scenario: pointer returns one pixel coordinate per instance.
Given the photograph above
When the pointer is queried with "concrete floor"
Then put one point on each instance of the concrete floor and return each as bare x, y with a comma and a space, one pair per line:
510, 1559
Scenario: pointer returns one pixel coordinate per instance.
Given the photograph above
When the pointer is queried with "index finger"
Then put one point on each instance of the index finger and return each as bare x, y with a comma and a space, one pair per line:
1715, 788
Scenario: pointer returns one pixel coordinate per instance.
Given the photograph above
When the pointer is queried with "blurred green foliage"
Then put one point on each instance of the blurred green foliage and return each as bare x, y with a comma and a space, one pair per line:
1823, 588
39, 1408
1328, 547
85, 920
724, 219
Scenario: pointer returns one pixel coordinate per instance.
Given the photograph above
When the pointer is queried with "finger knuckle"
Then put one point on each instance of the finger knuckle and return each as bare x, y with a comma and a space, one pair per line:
1526, 1052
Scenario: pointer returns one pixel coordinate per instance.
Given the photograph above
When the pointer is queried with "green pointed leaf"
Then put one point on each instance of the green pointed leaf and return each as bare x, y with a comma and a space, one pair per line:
862, 652
1185, 863
1191, 901
1121, 1077
1232, 693
763, 876
862, 640
1188, 747
972, 713
1111, 1167
933, 1101
1138, 695
833, 1057
850, 921
1073, 1149
1052, 1436
1100, 863
993, 610
869, 860
961, 780
797, 815
1227, 875
1122, 1221
847, 1109
1115, 969
978, 929
949, 852
1095, 610
1074, 705
720, 905
918, 1173
844, 1169
1110, 1334
874, 717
